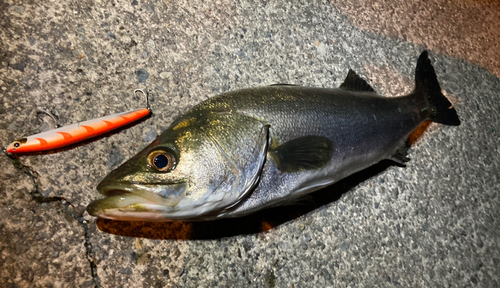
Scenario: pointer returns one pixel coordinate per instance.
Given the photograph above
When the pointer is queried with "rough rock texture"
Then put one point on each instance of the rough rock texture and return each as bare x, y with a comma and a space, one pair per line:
431, 224
42, 243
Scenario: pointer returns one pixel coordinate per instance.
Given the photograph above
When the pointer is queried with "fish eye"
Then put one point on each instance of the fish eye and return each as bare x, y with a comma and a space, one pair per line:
17, 144
161, 160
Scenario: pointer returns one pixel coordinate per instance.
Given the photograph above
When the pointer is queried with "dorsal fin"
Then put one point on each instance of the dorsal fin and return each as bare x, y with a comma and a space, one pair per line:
355, 83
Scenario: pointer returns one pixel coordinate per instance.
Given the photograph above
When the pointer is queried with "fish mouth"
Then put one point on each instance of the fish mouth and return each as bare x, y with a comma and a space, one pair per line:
132, 201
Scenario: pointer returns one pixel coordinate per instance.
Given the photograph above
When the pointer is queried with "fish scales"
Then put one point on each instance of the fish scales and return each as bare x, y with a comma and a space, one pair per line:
362, 136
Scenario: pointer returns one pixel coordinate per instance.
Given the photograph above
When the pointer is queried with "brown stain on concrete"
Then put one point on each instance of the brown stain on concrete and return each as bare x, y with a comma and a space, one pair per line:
203, 230
466, 29
150, 230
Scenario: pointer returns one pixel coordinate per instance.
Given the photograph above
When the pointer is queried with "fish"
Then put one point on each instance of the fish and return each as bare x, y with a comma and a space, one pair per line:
78, 132
251, 149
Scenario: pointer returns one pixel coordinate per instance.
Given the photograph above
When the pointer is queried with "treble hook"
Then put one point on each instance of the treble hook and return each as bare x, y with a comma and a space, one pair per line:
145, 94
41, 111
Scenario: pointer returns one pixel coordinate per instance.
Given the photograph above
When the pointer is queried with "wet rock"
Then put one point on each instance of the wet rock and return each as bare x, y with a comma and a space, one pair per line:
126, 271
148, 7
307, 237
115, 157
18, 9
142, 75
19, 66
150, 135
345, 246
166, 273
21, 247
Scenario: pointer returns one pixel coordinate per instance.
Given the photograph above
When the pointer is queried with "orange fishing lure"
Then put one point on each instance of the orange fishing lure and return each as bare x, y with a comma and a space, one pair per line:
78, 132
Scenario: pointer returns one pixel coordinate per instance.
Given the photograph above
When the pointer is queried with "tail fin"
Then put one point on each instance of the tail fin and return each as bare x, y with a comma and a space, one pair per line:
427, 85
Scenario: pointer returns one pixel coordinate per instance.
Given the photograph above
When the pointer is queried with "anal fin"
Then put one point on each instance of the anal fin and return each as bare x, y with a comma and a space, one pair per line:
399, 158
401, 154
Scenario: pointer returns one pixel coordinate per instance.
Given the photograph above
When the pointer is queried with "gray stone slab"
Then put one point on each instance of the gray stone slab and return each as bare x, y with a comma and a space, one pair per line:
432, 224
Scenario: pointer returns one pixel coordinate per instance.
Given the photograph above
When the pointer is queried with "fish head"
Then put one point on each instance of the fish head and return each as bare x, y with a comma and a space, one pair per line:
197, 169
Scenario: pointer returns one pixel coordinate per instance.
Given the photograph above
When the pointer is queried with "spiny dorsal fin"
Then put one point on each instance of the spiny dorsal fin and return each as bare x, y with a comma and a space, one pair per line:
355, 83
303, 153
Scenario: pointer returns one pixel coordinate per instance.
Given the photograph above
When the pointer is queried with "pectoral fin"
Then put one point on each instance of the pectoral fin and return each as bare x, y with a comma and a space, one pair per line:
304, 153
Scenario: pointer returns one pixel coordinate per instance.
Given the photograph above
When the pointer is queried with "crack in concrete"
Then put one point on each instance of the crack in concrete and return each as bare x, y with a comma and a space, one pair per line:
89, 254
40, 198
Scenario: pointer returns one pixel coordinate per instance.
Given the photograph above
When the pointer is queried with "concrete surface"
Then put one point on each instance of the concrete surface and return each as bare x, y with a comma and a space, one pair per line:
434, 223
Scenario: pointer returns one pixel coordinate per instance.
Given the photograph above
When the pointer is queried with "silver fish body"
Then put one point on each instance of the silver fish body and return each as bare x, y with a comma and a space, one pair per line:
250, 149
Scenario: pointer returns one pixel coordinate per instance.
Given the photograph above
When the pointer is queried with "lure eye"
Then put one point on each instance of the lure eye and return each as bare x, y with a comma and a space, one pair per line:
161, 160
18, 143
